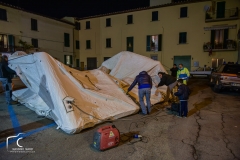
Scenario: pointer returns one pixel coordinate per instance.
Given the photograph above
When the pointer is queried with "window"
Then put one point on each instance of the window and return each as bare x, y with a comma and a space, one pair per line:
182, 37
87, 24
216, 63
155, 16
34, 26
3, 14
183, 12
88, 44
108, 43
106, 58
77, 26
130, 44
108, 22
221, 9
66, 40
219, 39
3, 41
35, 43
77, 44
68, 59
154, 42
154, 57
129, 19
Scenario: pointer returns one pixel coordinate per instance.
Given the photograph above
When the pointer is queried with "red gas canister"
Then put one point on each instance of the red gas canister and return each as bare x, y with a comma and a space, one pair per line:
106, 137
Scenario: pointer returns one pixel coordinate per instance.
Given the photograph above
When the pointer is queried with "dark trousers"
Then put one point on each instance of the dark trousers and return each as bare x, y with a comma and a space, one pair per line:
183, 109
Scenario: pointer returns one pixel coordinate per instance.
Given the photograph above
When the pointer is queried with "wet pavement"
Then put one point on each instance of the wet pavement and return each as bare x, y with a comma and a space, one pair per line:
211, 131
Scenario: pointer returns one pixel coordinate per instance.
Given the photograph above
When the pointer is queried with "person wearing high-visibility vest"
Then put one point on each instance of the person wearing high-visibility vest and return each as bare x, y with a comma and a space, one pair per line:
183, 73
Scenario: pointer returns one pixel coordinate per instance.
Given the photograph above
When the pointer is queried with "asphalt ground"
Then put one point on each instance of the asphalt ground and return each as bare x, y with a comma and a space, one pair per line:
211, 131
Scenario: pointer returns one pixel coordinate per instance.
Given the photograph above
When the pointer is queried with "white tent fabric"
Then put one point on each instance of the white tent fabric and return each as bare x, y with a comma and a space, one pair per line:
125, 66
73, 99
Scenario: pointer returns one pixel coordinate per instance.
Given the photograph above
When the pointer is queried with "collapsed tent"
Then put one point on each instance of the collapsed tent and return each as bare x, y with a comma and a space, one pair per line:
76, 100
73, 99
125, 66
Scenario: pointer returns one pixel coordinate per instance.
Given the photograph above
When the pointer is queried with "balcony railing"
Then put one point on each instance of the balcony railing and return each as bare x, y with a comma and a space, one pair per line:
230, 45
228, 14
10, 48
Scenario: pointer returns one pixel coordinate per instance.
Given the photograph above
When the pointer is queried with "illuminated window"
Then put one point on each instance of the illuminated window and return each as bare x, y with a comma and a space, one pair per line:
154, 42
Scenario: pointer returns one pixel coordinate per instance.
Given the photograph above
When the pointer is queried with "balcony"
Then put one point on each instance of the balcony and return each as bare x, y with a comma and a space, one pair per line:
230, 45
227, 14
10, 48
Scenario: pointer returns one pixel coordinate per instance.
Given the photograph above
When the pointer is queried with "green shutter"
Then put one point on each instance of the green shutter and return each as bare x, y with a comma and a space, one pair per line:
66, 40
11, 43
225, 38
180, 38
77, 62
65, 59
159, 42
212, 38
185, 37
71, 62
148, 43
221, 9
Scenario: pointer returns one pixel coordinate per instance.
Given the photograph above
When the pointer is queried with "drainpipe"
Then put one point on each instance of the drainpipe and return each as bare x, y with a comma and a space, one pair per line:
162, 46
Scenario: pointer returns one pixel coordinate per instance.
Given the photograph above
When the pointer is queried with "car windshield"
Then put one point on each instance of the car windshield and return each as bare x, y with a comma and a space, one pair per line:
229, 69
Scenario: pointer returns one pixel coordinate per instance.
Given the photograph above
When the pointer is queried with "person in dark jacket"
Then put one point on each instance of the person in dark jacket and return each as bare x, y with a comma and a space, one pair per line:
167, 80
6, 79
174, 70
183, 95
144, 82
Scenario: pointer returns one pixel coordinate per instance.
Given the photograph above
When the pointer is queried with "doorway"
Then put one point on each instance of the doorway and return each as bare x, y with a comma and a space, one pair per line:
91, 63
185, 60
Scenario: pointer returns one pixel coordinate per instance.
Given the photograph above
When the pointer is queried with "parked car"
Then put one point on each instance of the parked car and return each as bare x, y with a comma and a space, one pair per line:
201, 71
226, 76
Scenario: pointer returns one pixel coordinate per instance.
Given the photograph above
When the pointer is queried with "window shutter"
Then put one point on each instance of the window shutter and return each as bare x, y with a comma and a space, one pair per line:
3, 14
159, 42
66, 40
180, 38
65, 59
212, 38
11, 41
77, 62
32, 24
148, 43
71, 62
225, 38
77, 44
185, 37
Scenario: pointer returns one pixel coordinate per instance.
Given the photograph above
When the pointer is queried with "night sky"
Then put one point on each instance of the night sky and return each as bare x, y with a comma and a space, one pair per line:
76, 8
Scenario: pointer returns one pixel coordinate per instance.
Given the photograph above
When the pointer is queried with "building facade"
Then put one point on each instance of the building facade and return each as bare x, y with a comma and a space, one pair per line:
44, 34
195, 33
